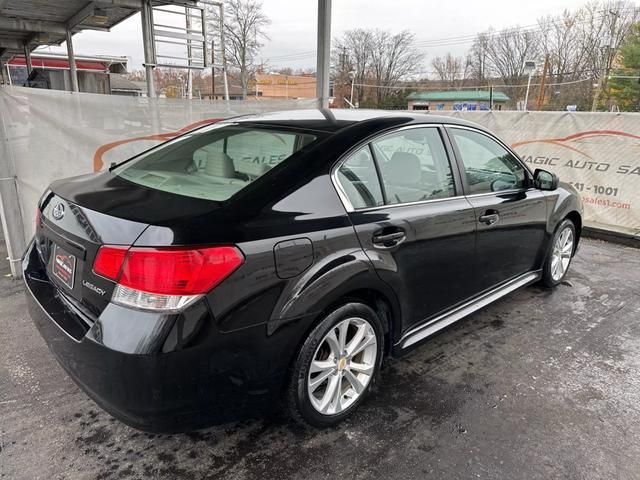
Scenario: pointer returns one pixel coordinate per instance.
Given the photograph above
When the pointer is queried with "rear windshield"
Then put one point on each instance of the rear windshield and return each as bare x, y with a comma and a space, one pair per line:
215, 163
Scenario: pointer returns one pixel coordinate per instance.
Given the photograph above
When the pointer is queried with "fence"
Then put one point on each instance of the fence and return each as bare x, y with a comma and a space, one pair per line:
49, 134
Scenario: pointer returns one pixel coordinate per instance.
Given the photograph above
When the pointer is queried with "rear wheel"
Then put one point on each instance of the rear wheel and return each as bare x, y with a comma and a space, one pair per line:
559, 258
337, 366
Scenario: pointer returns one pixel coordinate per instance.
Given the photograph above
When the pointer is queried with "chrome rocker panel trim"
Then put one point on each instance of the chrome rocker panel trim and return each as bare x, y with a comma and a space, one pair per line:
436, 324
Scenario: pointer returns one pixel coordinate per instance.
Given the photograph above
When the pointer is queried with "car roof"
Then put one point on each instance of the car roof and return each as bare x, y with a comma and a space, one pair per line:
332, 120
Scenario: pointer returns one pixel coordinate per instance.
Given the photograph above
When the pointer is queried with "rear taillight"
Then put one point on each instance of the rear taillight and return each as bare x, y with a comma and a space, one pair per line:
38, 218
166, 279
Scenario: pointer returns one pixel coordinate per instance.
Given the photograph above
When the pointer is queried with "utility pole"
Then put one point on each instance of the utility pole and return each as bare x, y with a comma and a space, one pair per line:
490, 97
608, 54
543, 82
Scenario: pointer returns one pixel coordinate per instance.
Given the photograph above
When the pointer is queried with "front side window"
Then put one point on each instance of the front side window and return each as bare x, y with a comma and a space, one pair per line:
215, 163
489, 167
414, 166
359, 180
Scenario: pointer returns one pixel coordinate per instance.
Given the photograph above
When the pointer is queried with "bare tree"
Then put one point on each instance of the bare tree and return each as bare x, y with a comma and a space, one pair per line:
478, 58
393, 58
352, 53
508, 50
245, 29
452, 71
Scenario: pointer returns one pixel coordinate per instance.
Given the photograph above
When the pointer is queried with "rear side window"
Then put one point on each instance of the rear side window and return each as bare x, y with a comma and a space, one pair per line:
414, 166
489, 167
359, 180
216, 163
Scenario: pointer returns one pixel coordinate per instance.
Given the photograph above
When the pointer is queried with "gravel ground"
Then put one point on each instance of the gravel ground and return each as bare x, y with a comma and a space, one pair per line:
540, 385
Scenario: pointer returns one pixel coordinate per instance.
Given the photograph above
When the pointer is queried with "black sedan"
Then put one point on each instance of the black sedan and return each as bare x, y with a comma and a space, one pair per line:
276, 259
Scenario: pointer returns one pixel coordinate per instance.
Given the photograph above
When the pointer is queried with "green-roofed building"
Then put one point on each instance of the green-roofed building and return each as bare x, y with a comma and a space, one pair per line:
457, 100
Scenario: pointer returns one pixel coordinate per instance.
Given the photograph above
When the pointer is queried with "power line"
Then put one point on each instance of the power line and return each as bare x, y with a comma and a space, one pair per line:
484, 87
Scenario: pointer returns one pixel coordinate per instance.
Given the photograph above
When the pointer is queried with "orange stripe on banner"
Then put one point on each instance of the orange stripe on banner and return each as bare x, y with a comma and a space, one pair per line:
98, 162
578, 136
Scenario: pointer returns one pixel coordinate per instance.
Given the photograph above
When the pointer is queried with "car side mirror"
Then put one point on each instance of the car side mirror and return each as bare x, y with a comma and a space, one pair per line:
545, 180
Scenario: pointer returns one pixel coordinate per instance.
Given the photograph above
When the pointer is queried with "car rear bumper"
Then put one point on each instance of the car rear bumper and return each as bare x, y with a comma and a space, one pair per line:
162, 392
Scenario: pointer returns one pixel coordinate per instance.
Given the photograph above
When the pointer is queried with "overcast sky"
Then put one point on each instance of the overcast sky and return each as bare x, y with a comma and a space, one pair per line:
293, 27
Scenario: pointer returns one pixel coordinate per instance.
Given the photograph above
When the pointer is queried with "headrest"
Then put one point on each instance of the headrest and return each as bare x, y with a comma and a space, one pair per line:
403, 169
219, 164
252, 169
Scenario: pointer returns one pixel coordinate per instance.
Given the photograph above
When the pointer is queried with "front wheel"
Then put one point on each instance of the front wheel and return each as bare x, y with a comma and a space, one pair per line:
337, 366
559, 258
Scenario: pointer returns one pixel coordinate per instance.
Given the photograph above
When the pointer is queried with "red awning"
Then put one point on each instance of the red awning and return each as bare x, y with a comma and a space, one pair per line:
55, 63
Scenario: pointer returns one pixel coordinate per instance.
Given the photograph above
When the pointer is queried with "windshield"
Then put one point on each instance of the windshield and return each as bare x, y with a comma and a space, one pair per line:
213, 164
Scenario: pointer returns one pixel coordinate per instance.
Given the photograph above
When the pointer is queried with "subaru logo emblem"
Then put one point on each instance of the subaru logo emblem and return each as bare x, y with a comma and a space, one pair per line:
58, 211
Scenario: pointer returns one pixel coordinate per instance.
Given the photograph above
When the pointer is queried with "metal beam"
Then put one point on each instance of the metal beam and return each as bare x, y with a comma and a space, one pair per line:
10, 43
27, 58
149, 50
73, 71
81, 16
23, 25
132, 4
323, 52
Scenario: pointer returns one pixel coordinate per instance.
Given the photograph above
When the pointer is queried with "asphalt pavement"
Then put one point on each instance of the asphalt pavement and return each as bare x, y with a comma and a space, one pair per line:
540, 385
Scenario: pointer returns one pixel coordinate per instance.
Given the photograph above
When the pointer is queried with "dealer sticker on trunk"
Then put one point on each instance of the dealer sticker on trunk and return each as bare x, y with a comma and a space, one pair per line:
64, 266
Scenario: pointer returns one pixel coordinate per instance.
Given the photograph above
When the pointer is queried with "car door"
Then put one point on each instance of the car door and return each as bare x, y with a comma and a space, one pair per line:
406, 204
511, 213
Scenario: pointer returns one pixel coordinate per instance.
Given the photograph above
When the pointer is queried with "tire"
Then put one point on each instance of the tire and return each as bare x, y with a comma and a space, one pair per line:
560, 254
328, 395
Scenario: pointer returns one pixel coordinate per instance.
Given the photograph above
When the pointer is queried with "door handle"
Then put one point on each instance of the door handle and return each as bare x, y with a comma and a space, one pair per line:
489, 218
389, 240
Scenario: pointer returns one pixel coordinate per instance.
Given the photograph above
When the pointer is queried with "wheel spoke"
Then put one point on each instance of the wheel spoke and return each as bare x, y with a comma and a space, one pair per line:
337, 395
364, 343
329, 393
356, 339
353, 380
325, 368
361, 368
342, 338
333, 343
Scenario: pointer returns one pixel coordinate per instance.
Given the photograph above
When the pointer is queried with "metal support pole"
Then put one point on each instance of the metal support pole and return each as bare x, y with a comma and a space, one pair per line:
224, 55
11, 213
353, 80
323, 52
189, 54
72, 63
526, 97
27, 57
149, 50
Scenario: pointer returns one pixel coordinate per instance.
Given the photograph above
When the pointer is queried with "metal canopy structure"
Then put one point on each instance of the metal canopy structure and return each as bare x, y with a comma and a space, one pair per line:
28, 24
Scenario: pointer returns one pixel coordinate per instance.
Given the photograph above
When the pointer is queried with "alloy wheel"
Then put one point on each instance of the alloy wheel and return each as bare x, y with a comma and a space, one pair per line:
342, 366
561, 255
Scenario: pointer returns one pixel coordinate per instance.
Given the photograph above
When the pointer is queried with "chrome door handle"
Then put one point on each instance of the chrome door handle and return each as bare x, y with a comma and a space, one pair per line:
489, 218
389, 240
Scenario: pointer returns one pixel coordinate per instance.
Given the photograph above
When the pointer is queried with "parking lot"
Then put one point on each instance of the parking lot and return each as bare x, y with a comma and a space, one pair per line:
539, 385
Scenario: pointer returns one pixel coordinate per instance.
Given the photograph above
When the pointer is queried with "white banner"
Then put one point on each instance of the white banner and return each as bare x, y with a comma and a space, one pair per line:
53, 134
